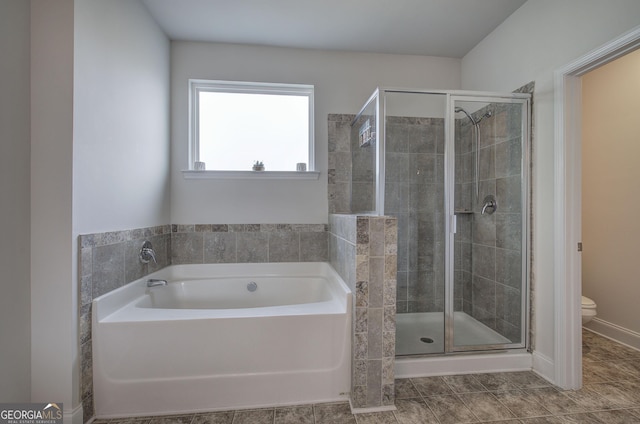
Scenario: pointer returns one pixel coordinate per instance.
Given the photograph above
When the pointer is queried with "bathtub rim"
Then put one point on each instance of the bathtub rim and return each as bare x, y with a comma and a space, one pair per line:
119, 305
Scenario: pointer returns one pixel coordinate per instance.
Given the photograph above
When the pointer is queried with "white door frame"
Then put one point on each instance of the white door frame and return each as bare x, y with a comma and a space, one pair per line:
568, 207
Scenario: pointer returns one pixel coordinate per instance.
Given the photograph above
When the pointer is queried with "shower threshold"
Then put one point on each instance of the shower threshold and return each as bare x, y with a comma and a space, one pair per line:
422, 333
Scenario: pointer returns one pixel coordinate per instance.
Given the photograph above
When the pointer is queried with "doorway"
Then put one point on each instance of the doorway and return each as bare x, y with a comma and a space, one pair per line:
610, 182
568, 207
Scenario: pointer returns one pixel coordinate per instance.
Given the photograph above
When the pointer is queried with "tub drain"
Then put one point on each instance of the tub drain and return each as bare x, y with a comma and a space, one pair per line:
426, 340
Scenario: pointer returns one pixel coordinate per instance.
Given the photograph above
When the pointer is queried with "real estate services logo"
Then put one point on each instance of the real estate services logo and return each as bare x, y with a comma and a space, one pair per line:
30, 413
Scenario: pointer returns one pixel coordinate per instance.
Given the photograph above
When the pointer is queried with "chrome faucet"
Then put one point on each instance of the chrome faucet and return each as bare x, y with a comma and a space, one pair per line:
147, 254
154, 282
490, 205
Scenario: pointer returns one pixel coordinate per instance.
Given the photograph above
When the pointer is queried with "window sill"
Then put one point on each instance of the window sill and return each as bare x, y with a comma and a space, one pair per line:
250, 175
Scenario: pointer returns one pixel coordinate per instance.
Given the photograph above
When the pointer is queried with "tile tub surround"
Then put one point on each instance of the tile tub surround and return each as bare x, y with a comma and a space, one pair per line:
110, 260
611, 394
363, 249
245, 243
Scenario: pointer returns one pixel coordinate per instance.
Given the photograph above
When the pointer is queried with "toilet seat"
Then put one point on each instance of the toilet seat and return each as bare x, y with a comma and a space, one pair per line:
588, 303
588, 310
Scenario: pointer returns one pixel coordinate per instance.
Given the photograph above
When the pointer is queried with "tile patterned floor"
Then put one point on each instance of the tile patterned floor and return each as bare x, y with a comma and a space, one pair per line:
610, 394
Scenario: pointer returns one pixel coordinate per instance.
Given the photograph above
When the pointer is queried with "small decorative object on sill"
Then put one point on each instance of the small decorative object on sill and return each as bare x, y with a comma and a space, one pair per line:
258, 166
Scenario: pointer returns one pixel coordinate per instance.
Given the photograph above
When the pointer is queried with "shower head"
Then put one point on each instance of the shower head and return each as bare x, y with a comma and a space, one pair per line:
489, 114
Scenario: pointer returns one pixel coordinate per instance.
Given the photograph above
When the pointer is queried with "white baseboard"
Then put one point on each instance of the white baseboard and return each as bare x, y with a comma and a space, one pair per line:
74, 416
614, 332
544, 366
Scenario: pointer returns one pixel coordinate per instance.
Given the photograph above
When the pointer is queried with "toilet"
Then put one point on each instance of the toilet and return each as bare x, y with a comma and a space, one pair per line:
588, 309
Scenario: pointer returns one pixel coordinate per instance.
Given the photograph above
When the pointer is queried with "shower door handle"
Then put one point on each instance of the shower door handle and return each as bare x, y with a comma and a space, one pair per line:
454, 224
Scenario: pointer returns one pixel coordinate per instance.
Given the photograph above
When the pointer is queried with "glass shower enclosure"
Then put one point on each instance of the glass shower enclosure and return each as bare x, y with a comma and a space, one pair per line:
452, 167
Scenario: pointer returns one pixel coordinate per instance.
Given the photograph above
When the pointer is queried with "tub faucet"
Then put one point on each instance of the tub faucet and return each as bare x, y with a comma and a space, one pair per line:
147, 254
154, 282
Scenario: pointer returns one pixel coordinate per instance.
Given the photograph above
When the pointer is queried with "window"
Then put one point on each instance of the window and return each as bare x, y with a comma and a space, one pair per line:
236, 124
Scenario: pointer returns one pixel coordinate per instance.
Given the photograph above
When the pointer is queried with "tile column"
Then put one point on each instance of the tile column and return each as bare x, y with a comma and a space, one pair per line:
364, 250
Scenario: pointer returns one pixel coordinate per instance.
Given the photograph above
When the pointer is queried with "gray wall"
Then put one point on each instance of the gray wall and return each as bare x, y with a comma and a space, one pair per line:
15, 319
121, 118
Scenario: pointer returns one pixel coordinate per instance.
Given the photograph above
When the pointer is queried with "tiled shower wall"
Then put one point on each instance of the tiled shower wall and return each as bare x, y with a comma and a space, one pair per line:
363, 249
414, 193
488, 265
363, 164
339, 172
110, 260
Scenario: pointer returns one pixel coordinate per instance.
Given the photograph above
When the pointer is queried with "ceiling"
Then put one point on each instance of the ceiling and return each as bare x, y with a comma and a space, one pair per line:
449, 28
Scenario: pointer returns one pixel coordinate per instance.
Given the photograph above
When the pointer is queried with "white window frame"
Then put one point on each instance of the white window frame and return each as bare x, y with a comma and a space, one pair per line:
196, 86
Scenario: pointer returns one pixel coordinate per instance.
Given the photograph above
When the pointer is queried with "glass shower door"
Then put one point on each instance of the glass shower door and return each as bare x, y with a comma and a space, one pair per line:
414, 193
486, 308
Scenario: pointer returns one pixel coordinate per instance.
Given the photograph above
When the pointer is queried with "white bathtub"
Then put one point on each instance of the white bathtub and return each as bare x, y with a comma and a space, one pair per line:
205, 342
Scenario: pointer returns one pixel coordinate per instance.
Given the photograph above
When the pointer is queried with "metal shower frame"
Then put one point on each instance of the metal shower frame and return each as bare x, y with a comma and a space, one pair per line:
449, 192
